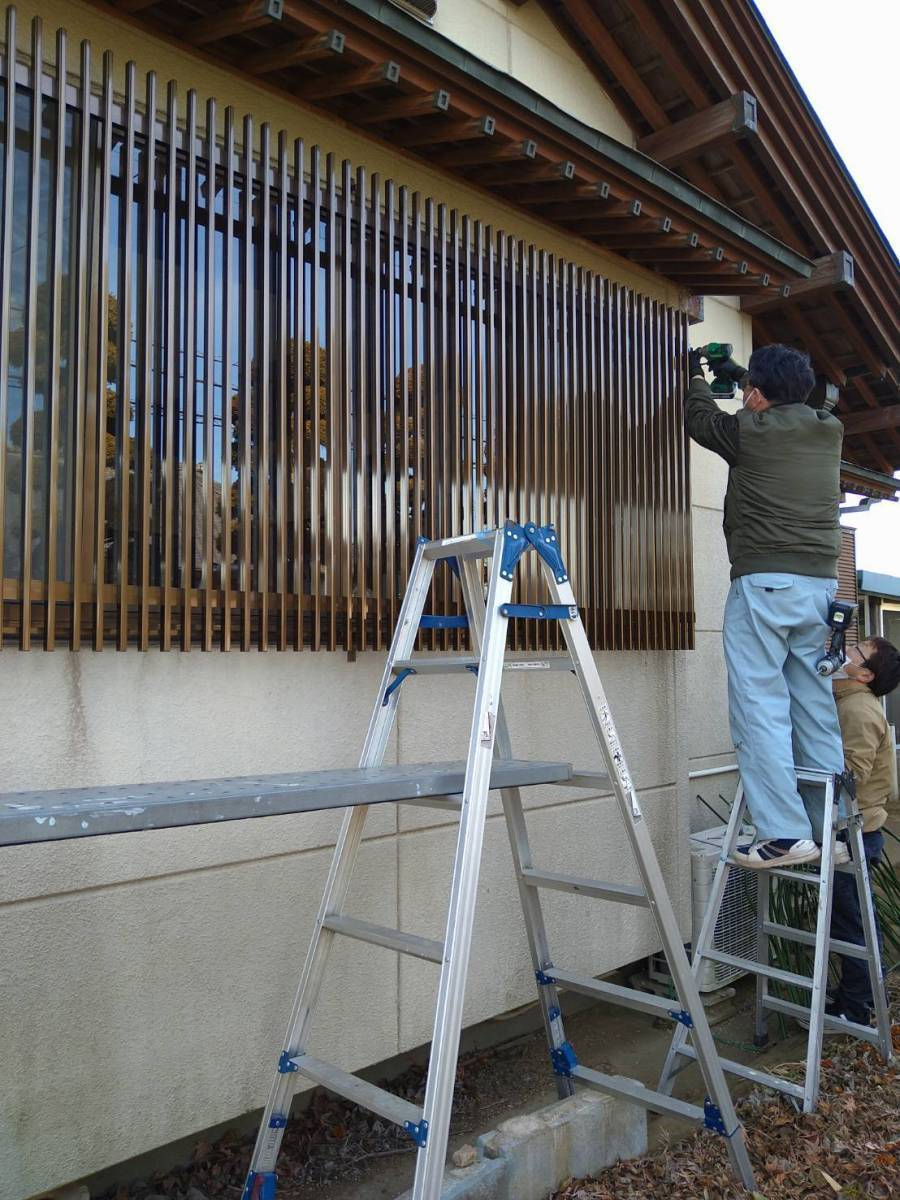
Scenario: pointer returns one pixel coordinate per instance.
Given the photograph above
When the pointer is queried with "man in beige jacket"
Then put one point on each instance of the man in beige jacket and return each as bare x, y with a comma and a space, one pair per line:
873, 670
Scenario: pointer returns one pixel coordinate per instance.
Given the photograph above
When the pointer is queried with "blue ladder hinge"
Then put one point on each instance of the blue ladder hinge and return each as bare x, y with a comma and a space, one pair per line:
285, 1065
563, 1058
543, 978
540, 612
682, 1015
392, 687
260, 1185
712, 1119
439, 621
515, 544
277, 1121
545, 540
418, 1131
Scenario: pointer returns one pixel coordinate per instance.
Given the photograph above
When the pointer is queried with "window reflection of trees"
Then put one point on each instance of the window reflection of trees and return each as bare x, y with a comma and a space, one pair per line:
331, 391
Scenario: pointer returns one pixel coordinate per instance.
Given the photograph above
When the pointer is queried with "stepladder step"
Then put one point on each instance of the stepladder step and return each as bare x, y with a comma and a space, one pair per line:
813, 878
806, 938
360, 1091
757, 968
600, 989
630, 1089
866, 1033
765, 1078
391, 939
624, 893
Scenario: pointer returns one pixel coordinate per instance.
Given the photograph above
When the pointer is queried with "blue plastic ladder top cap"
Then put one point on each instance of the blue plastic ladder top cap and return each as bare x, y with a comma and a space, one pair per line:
260, 1185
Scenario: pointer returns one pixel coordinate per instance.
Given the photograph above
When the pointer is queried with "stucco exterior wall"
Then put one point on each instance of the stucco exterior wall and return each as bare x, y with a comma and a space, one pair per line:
524, 42
147, 978
708, 739
152, 973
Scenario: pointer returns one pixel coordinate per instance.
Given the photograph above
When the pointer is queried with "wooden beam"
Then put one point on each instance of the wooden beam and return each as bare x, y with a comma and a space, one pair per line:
668, 249
539, 171
295, 53
570, 193
239, 18
830, 272
435, 132
887, 417
724, 285
430, 104
356, 80
624, 225
488, 152
722, 123
660, 237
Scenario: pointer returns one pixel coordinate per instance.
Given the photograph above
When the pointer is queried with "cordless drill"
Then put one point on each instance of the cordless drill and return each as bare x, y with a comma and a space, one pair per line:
727, 374
840, 614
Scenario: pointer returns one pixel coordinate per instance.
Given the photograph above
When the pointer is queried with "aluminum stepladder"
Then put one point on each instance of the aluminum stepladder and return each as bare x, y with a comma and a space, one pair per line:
681, 1053
488, 619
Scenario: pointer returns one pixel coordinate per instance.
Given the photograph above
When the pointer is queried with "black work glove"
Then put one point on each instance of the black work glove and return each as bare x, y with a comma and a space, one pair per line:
695, 367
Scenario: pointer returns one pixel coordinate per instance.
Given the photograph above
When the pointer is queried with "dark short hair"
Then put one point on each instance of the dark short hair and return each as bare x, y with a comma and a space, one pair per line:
783, 375
884, 663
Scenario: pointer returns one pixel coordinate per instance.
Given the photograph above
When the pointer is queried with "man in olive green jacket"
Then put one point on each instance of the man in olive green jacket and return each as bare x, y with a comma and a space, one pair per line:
783, 537
872, 671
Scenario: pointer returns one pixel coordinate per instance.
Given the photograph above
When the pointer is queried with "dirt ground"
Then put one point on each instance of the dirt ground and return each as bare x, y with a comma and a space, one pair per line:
849, 1147
333, 1151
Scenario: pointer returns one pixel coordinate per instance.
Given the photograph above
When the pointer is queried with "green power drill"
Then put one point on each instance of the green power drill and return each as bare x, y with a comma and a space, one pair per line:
727, 374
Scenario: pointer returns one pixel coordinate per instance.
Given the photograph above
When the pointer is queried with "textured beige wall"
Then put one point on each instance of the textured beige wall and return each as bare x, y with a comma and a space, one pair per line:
526, 44
146, 978
709, 741
152, 973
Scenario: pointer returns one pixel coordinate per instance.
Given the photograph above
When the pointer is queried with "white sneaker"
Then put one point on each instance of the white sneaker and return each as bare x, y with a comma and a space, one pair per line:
841, 854
781, 852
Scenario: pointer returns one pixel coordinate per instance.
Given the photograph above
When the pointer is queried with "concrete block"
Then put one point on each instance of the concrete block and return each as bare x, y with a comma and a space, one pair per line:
529, 1156
574, 1137
486, 1179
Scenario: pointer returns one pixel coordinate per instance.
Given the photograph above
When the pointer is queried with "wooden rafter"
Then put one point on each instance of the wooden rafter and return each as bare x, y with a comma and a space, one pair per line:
872, 420
829, 272
716, 126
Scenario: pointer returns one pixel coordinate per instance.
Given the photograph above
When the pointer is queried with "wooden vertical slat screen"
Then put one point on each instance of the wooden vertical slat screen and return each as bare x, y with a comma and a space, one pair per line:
239, 379
847, 579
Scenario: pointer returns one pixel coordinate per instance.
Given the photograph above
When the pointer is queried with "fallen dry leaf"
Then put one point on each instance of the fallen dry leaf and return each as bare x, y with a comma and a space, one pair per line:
830, 1180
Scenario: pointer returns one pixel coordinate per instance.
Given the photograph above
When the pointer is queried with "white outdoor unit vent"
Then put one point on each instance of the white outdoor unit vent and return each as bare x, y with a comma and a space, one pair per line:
735, 931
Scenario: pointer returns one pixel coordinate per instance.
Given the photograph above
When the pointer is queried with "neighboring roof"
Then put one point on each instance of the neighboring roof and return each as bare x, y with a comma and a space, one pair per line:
376, 66
664, 65
875, 584
863, 482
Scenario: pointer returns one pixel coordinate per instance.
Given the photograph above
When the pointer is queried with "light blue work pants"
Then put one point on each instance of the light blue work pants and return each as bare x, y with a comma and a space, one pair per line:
781, 711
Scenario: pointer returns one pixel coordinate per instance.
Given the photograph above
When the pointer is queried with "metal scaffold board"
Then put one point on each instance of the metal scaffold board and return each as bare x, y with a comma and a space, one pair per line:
47, 816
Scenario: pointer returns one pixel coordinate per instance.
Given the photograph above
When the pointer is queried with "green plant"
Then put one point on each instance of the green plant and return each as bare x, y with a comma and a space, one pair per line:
795, 906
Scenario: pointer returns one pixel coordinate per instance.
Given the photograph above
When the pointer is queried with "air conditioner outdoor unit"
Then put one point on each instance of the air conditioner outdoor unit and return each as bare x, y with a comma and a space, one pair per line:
735, 931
